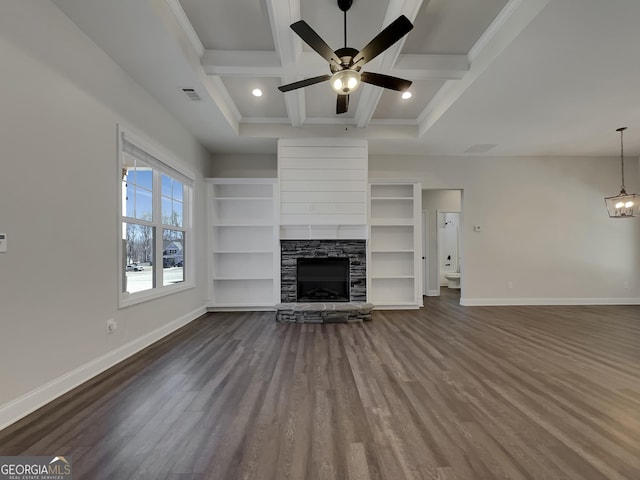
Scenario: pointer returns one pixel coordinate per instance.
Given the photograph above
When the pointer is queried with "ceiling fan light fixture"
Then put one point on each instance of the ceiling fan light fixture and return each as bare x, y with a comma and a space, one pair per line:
345, 81
623, 205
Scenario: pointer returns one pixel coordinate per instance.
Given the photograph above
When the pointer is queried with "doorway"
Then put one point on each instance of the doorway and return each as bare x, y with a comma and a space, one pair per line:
434, 203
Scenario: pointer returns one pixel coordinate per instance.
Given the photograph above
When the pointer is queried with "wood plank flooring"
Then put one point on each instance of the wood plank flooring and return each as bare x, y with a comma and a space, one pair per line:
443, 393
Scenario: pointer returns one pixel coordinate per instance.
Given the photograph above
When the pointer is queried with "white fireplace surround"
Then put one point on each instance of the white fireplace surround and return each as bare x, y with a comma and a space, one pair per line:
323, 188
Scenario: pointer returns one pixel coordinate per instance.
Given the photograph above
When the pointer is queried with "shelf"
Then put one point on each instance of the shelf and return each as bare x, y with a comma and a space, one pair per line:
257, 277
392, 190
244, 198
244, 225
392, 198
403, 222
238, 252
394, 208
243, 243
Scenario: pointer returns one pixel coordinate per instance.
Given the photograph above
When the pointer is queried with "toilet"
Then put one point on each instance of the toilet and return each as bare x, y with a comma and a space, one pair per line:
453, 279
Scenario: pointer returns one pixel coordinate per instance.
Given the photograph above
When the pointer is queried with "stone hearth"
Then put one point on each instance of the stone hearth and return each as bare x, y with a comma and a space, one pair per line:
317, 312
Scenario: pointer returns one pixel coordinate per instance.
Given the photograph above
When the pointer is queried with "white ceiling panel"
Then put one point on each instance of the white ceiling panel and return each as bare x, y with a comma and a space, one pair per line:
248, 30
451, 26
270, 104
392, 106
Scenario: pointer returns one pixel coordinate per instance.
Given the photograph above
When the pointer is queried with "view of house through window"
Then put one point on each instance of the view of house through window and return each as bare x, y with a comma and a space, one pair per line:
154, 222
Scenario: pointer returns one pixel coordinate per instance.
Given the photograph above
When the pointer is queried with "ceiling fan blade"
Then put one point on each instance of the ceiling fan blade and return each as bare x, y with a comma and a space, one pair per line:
385, 81
311, 38
387, 37
343, 104
303, 83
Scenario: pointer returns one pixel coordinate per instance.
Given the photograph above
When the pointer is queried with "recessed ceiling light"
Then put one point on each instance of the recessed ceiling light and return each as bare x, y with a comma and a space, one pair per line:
257, 92
406, 95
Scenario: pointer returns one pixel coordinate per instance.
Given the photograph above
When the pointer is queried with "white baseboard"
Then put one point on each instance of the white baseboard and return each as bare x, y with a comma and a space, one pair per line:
396, 307
22, 406
486, 302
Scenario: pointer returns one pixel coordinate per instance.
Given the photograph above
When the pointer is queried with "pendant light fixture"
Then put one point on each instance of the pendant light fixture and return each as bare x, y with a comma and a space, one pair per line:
624, 204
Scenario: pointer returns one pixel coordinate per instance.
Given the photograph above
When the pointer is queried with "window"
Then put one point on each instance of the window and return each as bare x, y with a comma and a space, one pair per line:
155, 219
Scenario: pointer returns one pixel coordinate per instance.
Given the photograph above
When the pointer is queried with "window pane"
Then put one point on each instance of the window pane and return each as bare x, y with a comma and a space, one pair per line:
131, 202
177, 190
144, 177
167, 185
172, 206
144, 204
167, 211
139, 193
177, 214
138, 249
172, 256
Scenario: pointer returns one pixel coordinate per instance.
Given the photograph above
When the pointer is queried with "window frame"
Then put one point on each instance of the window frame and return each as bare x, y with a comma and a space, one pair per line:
165, 164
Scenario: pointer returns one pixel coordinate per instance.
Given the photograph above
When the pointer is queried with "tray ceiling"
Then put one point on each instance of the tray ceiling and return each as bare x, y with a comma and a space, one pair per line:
532, 77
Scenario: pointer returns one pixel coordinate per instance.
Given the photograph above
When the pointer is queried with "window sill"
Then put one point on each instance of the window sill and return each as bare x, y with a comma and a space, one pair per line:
129, 299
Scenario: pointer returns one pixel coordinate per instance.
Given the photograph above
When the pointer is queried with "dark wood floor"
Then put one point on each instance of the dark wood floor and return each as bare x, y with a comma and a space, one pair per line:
446, 392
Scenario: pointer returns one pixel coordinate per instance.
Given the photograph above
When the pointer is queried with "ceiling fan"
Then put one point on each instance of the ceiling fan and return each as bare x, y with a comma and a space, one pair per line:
345, 63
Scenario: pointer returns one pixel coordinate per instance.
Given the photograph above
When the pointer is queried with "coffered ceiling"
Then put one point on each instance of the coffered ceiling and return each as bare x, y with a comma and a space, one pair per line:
501, 77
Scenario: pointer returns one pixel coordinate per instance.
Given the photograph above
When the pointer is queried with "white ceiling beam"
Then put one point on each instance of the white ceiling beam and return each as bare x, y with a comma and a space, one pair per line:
333, 129
192, 47
234, 63
511, 21
187, 28
283, 13
370, 96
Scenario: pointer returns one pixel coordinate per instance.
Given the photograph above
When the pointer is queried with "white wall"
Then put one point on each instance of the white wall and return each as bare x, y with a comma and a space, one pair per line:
60, 101
544, 226
243, 166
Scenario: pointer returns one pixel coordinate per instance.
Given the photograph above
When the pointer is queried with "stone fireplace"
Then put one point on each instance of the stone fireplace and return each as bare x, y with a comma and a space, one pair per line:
352, 252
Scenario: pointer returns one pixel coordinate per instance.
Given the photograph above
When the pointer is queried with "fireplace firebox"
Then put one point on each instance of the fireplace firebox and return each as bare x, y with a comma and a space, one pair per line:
322, 279
352, 251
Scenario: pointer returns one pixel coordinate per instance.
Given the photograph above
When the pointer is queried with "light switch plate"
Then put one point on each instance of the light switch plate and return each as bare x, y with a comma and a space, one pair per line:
3, 242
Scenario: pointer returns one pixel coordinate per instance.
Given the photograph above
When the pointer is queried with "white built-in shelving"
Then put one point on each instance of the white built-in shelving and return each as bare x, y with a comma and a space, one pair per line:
243, 243
394, 262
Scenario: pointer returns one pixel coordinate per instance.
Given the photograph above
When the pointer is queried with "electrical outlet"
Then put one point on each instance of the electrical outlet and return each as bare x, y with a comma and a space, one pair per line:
112, 325
509, 284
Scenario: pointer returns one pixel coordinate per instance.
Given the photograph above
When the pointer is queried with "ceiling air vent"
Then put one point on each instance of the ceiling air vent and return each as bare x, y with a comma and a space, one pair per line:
192, 94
